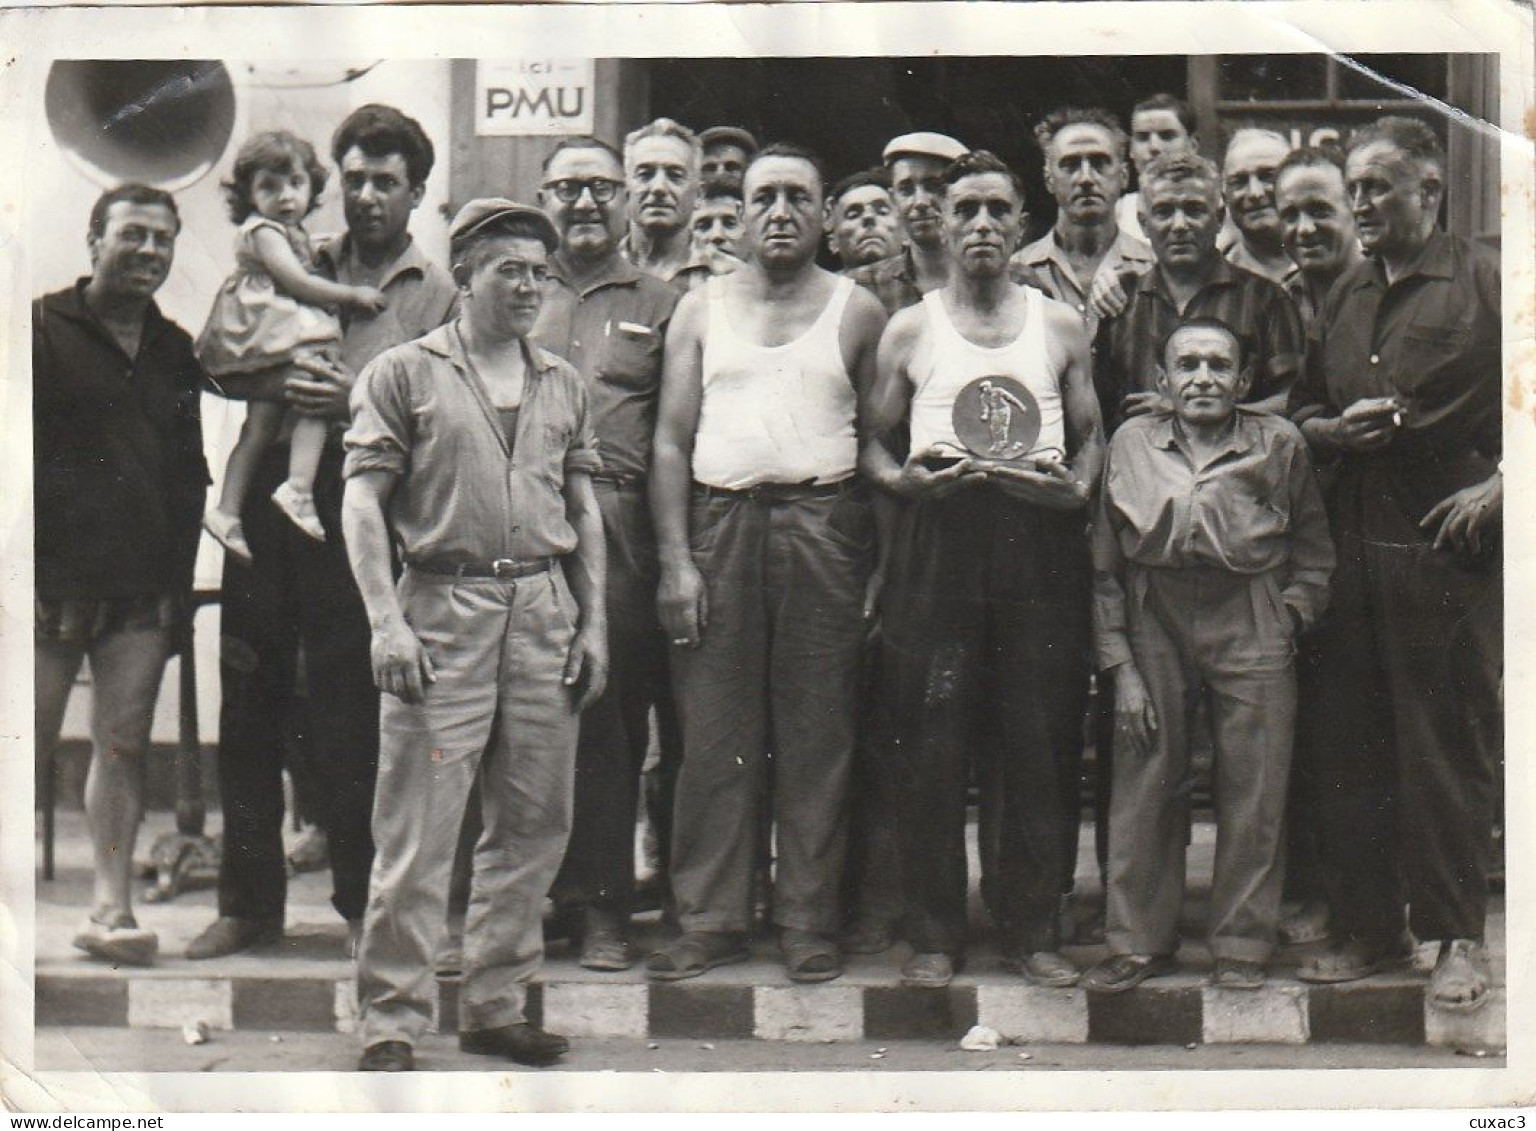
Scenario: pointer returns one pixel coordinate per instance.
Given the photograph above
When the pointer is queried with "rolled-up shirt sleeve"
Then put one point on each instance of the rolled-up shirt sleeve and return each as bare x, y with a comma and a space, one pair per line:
1311, 562
380, 435
582, 455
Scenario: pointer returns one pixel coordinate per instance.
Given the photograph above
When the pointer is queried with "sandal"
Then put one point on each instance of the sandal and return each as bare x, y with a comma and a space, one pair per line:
809, 957
1461, 978
694, 953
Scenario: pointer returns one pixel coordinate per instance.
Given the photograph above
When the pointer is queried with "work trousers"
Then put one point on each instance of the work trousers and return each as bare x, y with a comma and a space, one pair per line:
599, 868
500, 711
1227, 638
1404, 720
296, 594
777, 668
987, 656
873, 892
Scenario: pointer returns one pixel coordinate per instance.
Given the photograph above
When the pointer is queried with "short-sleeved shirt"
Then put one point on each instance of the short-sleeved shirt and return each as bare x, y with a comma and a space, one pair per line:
1045, 264
1251, 508
420, 412
1127, 348
612, 329
893, 281
421, 298
1432, 338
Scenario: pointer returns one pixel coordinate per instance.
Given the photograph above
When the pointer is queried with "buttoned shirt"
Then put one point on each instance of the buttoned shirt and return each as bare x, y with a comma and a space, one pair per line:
1127, 350
1046, 265
421, 298
1250, 507
893, 280
1432, 339
117, 454
421, 412
611, 329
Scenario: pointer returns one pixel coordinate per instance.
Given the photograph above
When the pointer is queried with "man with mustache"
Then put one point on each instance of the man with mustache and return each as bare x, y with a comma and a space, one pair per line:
1248, 183
862, 226
916, 163
1181, 212
119, 481
1402, 393
1086, 251
767, 543
987, 617
661, 167
608, 319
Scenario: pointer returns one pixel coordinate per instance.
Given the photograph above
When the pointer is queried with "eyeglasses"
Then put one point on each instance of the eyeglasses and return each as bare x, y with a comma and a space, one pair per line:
569, 189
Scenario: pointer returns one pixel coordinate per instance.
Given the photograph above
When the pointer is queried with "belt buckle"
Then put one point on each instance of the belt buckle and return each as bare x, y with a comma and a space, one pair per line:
504, 567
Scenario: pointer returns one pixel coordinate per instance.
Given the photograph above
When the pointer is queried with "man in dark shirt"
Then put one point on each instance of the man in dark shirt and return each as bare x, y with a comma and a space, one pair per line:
1181, 212
297, 595
1402, 392
609, 319
119, 481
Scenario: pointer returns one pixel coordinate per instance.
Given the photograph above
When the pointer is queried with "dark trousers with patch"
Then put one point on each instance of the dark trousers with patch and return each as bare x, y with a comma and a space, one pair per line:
987, 656
1402, 723
297, 593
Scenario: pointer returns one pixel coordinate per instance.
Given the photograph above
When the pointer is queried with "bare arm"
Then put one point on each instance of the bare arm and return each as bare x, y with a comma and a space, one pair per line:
861, 341
401, 665
586, 570
681, 599
293, 280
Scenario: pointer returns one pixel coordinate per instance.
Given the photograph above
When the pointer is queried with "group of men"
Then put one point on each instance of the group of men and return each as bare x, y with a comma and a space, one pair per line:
849, 544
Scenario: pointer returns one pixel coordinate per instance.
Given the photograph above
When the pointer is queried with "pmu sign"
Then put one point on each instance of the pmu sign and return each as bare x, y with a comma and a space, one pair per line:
533, 97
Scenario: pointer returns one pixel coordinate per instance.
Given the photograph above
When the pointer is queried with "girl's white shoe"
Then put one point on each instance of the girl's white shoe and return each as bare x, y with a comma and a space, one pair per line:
227, 532
299, 506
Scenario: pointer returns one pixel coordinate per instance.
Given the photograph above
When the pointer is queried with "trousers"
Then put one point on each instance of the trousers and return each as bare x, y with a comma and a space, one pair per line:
296, 596
987, 657
499, 712
1227, 638
777, 669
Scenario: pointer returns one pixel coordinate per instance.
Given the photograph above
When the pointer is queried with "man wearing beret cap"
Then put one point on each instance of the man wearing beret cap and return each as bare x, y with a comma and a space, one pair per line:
471, 451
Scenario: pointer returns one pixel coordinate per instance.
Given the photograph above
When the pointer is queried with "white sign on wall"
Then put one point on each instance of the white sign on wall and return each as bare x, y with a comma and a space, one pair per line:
533, 97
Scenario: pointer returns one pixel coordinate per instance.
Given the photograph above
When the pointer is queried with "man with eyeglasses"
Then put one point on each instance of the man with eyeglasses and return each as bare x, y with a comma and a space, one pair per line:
916, 163
608, 319
661, 168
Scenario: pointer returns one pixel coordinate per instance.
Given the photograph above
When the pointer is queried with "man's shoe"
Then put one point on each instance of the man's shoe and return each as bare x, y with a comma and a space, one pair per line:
121, 941
1047, 968
870, 937
1355, 959
1121, 972
928, 971
522, 1043
1462, 977
604, 945
1238, 974
228, 935
387, 1056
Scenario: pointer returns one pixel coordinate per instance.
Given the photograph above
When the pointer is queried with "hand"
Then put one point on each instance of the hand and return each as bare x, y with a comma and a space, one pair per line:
1139, 404
1367, 425
1135, 718
917, 480
367, 301
1107, 296
324, 394
682, 602
1465, 517
587, 665
401, 665
1050, 484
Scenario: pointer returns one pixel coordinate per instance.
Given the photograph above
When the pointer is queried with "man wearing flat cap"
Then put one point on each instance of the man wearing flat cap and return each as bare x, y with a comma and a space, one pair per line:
471, 450
727, 150
916, 164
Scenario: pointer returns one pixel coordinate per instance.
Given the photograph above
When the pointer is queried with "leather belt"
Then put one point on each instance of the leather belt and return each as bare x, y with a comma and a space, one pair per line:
779, 492
503, 568
620, 480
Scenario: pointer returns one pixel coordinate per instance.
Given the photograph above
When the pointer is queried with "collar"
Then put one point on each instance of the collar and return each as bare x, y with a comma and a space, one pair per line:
71, 305
1168, 434
1154, 282
1436, 260
1125, 248
618, 271
334, 250
447, 342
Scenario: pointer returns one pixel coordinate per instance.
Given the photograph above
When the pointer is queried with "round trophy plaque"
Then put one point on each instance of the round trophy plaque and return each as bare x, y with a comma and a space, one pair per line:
996, 418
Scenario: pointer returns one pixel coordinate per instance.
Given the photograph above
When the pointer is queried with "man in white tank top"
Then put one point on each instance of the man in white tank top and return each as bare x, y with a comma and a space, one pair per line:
767, 543
988, 581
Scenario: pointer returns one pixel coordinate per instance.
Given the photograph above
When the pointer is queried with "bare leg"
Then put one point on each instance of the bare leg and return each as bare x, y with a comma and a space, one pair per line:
263, 421
304, 453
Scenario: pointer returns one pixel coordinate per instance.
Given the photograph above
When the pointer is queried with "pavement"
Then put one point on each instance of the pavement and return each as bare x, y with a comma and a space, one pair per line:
303, 985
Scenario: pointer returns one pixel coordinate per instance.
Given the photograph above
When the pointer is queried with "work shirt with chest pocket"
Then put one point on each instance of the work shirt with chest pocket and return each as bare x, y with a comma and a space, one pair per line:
421, 413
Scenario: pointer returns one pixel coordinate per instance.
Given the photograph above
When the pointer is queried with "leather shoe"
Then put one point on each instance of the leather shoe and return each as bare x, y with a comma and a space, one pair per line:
522, 1043
1048, 968
604, 945
933, 970
1121, 972
387, 1056
228, 935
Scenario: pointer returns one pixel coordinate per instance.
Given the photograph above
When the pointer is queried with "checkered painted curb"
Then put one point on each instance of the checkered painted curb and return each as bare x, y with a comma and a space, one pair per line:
1173, 1011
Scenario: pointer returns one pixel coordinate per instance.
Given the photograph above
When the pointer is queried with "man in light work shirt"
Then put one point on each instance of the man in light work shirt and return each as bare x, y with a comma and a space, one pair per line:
1211, 554
608, 319
1248, 183
1086, 251
1402, 389
916, 163
472, 451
